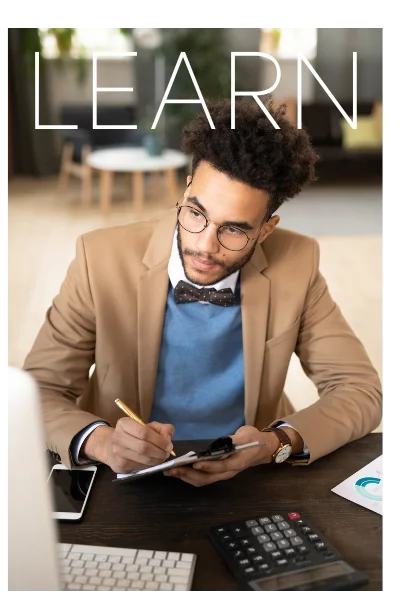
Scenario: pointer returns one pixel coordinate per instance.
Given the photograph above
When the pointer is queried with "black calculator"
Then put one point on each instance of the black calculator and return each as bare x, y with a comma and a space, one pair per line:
283, 552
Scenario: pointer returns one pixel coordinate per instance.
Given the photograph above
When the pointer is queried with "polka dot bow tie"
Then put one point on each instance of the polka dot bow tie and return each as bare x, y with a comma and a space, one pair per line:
185, 292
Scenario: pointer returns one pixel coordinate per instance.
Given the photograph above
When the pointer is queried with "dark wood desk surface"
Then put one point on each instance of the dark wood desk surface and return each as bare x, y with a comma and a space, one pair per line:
164, 513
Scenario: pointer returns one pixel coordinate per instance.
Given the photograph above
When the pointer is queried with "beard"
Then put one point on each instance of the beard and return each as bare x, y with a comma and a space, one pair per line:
226, 269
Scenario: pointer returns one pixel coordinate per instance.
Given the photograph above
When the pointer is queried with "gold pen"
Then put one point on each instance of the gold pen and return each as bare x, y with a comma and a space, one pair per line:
132, 415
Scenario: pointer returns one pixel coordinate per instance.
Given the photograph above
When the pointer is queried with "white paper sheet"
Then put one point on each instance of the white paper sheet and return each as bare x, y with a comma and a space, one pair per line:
364, 487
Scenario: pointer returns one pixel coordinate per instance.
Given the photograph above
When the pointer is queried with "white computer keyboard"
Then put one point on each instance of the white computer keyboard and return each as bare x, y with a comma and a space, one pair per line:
104, 569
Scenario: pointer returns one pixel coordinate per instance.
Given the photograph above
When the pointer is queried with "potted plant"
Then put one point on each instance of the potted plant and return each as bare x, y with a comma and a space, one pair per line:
64, 38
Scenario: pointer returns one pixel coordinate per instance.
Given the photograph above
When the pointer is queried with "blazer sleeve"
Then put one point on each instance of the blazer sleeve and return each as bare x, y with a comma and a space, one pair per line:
350, 394
62, 355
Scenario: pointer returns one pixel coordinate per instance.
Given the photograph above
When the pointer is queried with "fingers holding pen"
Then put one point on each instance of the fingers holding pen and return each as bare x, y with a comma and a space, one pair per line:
143, 440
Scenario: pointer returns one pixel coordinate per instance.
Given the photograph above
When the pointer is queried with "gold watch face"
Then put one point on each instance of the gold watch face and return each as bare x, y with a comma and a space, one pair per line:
283, 454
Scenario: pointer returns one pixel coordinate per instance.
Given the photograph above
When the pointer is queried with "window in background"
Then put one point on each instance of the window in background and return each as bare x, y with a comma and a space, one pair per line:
288, 43
82, 42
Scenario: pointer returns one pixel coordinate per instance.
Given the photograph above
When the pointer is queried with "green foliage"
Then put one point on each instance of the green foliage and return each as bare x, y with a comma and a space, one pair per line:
30, 43
64, 39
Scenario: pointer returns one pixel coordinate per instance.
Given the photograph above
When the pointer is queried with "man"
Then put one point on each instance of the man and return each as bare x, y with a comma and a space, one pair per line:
191, 320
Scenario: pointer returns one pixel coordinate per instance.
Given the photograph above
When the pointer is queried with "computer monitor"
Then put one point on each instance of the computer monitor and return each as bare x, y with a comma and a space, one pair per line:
32, 550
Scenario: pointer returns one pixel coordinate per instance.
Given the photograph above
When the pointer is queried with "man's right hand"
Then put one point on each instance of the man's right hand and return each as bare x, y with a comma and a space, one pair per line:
130, 446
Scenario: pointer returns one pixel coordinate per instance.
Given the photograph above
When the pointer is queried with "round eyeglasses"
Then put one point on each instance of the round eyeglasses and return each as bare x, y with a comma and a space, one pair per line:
229, 237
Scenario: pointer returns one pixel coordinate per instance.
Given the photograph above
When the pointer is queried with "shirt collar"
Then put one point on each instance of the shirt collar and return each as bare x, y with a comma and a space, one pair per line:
176, 271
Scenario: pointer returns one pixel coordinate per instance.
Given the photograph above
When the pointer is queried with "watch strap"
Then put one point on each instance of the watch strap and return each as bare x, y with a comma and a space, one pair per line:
281, 435
283, 438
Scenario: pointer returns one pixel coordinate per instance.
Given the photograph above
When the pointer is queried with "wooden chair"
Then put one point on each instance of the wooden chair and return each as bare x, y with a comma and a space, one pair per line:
78, 169
78, 143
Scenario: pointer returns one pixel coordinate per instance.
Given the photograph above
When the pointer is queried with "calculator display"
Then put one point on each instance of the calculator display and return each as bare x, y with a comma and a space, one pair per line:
306, 579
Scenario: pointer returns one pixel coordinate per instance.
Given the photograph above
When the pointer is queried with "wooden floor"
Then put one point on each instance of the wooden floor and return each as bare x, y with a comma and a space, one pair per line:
43, 228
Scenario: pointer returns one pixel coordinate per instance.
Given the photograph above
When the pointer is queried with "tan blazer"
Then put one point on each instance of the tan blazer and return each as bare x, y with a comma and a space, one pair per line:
110, 312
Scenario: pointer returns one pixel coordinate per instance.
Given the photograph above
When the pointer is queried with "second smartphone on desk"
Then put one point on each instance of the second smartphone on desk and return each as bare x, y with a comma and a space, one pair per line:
71, 490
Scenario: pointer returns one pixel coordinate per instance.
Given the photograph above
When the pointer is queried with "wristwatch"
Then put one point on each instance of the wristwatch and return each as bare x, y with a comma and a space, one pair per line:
285, 449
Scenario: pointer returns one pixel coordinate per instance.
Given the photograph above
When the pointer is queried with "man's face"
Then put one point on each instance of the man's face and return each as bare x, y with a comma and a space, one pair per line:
223, 201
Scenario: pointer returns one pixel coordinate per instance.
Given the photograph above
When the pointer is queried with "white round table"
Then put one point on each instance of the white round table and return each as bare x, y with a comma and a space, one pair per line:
136, 161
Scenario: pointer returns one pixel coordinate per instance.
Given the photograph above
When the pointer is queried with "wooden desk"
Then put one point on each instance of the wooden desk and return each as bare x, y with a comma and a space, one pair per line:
164, 513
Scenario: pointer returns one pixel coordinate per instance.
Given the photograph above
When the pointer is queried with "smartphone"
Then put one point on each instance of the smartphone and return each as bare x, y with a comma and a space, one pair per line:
71, 489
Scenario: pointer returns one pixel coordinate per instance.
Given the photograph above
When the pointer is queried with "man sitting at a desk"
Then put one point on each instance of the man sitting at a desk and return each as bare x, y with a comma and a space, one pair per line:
191, 319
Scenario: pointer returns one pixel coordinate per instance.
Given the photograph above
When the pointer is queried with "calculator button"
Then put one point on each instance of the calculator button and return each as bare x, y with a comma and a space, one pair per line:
296, 541
251, 550
293, 516
313, 537
232, 545
269, 547
238, 532
302, 549
305, 529
302, 560
238, 554
257, 530
290, 533
227, 538
281, 562
250, 570
320, 546
283, 544
244, 542
290, 552
283, 525
263, 538
258, 559
277, 518
251, 523
221, 530
276, 535
244, 562
276, 554
264, 520
263, 567
270, 527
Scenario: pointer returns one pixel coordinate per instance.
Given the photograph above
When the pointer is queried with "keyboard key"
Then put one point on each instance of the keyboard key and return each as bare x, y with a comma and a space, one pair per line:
81, 579
64, 562
119, 574
238, 554
257, 531
87, 557
166, 587
139, 585
123, 583
276, 554
245, 542
161, 578
244, 562
77, 563
251, 550
258, 559
283, 525
263, 538
176, 579
263, 566
168, 563
148, 553
128, 560
94, 572
74, 555
282, 562
180, 572
162, 555
74, 586
290, 533
293, 516
264, 520
152, 585
276, 535
91, 564
302, 549
187, 557
283, 544
135, 568
89, 587
183, 565
118, 567
269, 547
101, 557
290, 552
227, 538
238, 532
103, 588
154, 562
296, 541
174, 556
249, 570
277, 518
145, 569
142, 561
77, 571
232, 545
146, 577
320, 546
305, 529
313, 537
270, 527
221, 530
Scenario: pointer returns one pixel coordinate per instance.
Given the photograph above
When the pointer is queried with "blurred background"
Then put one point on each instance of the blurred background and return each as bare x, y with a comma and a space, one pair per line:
65, 182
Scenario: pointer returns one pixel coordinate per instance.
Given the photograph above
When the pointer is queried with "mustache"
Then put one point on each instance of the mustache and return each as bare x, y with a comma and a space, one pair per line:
187, 252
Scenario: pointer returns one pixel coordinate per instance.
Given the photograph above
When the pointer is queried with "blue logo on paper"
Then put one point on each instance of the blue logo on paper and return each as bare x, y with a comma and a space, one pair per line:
371, 494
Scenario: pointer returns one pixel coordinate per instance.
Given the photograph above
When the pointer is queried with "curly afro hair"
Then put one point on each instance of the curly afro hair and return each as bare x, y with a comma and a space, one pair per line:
279, 161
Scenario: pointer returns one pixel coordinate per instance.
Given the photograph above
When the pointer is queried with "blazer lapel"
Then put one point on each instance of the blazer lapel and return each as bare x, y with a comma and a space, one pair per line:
152, 299
255, 289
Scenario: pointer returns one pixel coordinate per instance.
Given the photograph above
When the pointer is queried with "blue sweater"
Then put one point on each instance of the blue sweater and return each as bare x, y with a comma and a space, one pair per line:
200, 378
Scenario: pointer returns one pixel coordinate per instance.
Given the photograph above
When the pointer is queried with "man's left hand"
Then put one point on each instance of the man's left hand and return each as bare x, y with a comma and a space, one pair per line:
206, 472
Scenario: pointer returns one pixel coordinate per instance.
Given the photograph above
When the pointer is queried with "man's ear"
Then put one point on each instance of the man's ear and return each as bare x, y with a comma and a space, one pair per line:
268, 228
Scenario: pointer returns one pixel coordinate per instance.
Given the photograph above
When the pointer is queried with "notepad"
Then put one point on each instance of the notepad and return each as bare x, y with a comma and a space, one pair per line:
217, 450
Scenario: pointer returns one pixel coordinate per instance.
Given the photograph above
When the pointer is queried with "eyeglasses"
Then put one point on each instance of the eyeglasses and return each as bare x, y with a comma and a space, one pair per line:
229, 237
